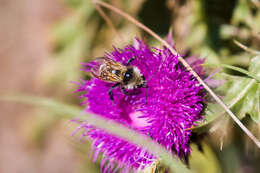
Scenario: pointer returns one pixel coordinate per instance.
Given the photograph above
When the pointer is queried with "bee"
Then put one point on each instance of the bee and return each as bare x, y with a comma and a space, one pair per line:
126, 76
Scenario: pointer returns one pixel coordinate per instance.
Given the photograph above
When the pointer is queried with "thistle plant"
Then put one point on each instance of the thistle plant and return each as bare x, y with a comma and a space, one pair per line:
173, 104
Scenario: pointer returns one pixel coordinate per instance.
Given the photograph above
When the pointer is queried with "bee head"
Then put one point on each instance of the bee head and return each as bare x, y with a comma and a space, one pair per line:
128, 75
133, 78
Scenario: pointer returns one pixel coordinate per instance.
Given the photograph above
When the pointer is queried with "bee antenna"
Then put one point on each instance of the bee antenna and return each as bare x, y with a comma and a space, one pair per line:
150, 78
146, 81
145, 85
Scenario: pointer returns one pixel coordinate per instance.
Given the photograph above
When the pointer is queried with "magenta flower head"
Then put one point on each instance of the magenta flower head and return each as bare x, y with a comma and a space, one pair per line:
172, 105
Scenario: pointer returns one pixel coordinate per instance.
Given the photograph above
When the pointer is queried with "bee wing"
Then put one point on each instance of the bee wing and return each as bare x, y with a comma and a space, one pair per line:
93, 66
104, 69
112, 70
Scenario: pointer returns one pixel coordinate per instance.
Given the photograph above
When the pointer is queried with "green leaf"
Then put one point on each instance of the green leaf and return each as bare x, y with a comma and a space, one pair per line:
204, 162
251, 75
238, 69
241, 95
248, 102
61, 109
254, 67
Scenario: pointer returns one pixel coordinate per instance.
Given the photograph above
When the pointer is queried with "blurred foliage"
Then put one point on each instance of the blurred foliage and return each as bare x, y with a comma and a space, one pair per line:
72, 41
216, 23
204, 27
207, 157
154, 20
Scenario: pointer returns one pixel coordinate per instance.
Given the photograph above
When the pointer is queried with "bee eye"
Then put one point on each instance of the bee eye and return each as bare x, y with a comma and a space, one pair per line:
128, 75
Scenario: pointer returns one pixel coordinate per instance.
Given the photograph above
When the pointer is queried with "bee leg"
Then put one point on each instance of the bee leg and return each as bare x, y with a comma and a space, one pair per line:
130, 60
145, 90
124, 91
110, 93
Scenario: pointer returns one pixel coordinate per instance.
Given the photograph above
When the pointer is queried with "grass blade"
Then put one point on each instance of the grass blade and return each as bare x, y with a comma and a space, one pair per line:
119, 130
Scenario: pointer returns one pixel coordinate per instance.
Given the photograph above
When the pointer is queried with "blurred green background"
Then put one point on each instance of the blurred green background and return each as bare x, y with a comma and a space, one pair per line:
42, 45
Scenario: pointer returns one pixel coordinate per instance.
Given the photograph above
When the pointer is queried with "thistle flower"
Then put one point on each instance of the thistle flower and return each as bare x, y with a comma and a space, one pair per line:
173, 104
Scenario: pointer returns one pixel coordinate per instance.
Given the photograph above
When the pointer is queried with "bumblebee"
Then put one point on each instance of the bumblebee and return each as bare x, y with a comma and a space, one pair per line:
125, 76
